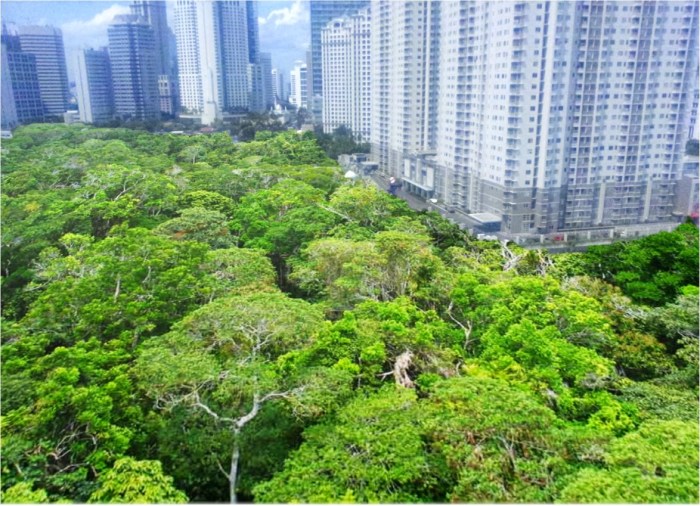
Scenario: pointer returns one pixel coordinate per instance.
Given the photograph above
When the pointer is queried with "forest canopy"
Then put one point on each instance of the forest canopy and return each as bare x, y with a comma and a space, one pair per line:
185, 318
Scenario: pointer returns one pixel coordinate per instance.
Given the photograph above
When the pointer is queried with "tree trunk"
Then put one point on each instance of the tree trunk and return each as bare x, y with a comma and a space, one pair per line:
233, 473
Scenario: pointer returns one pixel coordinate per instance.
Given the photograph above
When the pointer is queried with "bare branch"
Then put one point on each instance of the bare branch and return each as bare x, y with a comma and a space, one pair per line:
331, 210
466, 328
221, 468
403, 362
511, 259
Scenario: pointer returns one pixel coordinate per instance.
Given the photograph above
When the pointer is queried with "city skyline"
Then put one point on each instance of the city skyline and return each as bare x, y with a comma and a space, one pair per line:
283, 25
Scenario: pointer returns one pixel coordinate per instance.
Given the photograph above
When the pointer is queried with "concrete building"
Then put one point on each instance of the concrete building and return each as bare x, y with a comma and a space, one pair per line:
345, 49
298, 85
554, 116
279, 90
266, 69
153, 11
94, 86
132, 53
320, 13
45, 43
8, 111
403, 80
21, 95
213, 57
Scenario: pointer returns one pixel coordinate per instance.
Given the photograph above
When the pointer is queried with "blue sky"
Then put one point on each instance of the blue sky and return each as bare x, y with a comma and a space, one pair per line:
284, 26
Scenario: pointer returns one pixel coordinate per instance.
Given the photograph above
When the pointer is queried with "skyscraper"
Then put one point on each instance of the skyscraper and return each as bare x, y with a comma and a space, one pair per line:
266, 70
552, 116
46, 44
298, 85
404, 72
8, 111
153, 11
94, 86
213, 57
279, 90
132, 53
21, 96
321, 12
345, 49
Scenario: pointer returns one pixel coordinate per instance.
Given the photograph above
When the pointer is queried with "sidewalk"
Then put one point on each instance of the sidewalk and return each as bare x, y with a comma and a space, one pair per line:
419, 204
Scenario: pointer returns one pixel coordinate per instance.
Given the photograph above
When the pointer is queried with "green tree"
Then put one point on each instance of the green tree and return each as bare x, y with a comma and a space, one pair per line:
134, 481
372, 452
657, 464
224, 360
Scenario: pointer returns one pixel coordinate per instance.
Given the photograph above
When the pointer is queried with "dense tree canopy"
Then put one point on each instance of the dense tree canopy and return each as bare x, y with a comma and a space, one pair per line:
186, 318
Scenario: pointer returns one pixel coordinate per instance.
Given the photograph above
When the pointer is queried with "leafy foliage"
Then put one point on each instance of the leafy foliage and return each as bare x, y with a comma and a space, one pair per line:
189, 318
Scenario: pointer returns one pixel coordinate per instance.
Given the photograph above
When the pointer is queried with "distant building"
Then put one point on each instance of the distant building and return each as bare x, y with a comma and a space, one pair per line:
45, 43
132, 53
8, 112
345, 49
298, 85
94, 86
21, 96
320, 13
279, 90
213, 57
154, 12
403, 78
553, 116
266, 69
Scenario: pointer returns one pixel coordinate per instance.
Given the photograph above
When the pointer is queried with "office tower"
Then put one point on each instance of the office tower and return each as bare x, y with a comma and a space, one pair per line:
213, 57
279, 90
256, 99
403, 80
153, 11
298, 85
251, 11
132, 54
8, 112
321, 12
255, 88
345, 50
266, 69
94, 86
552, 116
21, 95
46, 44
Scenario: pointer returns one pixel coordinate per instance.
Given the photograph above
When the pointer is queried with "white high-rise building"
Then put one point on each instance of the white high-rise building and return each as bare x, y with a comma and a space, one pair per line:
553, 116
298, 85
345, 64
213, 57
403, 80
94, 86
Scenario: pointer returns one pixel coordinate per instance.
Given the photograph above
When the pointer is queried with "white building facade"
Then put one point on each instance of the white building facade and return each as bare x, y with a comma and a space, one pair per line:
345, 64
403, 78
554, 116
298, 85
212, 53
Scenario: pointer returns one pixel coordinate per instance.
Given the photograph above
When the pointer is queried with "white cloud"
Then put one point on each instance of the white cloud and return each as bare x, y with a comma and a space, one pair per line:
94, 31
261, 20
289, 15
